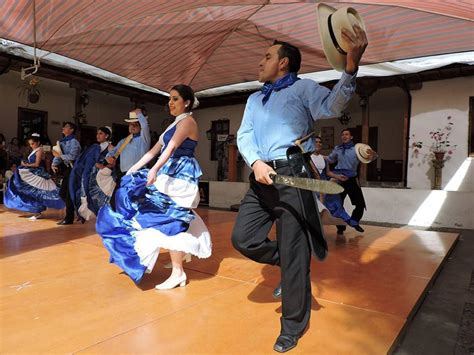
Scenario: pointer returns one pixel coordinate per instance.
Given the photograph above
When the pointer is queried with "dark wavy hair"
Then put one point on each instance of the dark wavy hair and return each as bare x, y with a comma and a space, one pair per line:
36, 139
106, 130
186, 93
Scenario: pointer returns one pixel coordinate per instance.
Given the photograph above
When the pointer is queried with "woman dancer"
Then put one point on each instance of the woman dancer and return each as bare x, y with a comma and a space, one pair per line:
154, 207
31, 188
92, 182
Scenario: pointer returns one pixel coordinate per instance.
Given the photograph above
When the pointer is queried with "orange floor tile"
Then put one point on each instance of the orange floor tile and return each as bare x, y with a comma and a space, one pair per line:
60, 294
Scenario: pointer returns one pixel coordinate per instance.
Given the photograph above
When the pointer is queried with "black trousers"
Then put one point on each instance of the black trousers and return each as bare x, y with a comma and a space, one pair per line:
261, 207
120, 175
352, 188
65, 196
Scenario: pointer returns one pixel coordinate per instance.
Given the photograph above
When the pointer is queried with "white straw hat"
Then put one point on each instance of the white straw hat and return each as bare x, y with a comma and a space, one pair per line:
330, 22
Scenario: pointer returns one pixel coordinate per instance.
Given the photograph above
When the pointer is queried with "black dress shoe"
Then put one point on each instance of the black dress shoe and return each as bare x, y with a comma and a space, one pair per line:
358, 228
64, 222
277, 291
285, 343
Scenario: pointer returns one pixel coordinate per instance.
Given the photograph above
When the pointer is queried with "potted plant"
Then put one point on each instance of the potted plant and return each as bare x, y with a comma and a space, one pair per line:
30, 90
440, 143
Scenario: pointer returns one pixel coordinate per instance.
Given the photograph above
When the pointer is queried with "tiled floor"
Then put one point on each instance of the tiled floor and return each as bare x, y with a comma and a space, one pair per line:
59, 293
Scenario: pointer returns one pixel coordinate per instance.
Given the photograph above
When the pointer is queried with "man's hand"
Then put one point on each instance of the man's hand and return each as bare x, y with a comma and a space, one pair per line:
54, 168
357, 45
341, 177
110, 160
99, 166
262, 172
372, 154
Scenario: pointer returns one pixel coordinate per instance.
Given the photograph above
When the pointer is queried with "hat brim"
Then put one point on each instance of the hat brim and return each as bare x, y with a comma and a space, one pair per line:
334, 58
131, 120
357, 148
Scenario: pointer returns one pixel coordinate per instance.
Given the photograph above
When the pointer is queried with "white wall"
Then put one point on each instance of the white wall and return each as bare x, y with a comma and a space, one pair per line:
430, 107
386, 110
58, 99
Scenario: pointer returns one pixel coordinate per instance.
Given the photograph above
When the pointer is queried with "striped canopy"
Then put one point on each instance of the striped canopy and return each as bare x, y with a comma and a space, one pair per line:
212, 43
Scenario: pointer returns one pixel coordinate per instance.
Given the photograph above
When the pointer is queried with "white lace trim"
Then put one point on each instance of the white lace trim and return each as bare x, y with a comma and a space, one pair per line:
36, 181
105, 181
196, 241
83, 210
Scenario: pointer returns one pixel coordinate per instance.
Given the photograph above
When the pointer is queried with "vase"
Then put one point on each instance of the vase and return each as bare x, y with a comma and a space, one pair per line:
439, 155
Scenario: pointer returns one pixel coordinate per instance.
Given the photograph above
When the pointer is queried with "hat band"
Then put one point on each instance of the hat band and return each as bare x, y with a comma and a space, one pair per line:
333, 37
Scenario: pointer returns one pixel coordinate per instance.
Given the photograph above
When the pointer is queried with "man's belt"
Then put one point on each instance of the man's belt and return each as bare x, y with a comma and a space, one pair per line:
277, 163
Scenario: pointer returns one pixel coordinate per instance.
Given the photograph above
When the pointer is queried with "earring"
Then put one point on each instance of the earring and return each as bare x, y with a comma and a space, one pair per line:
186, 105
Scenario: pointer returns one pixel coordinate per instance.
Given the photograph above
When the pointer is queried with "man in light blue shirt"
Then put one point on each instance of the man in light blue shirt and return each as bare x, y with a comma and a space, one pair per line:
137, 147
131, 151
283, 111
70, 151
347, 165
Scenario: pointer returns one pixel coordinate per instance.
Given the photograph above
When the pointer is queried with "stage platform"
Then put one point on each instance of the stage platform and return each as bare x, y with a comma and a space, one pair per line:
59, 294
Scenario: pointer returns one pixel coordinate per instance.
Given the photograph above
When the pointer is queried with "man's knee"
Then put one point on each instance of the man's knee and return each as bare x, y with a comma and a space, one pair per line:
237, 240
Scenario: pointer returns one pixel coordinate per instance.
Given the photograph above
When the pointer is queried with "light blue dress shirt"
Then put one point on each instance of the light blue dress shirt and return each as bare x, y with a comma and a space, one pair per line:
268, 130
137, 147
347, 161
71, 150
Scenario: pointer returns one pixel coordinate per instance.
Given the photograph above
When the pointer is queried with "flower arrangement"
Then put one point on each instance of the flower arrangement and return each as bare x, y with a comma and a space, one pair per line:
440, 144
30, 91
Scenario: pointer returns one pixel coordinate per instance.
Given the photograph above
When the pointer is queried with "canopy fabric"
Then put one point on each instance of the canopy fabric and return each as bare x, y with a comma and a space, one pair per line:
208, 44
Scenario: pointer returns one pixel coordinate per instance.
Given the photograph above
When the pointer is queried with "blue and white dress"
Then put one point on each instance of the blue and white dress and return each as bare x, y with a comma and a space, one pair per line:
91, 188
32, 189
148, 218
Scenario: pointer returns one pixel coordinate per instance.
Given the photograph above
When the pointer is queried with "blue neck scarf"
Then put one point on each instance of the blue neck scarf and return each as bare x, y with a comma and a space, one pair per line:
285, 81
345, 146
68, 138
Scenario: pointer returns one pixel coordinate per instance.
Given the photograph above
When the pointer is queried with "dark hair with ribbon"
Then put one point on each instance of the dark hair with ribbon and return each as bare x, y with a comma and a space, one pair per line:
71, 125
35, 137
106, 130
292, 53
317, 137
186, 93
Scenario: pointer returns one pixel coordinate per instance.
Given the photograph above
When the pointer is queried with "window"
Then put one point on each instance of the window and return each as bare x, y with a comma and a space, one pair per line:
219, 127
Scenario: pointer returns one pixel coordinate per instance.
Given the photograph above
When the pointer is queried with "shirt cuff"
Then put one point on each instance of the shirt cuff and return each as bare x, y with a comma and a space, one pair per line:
348, 78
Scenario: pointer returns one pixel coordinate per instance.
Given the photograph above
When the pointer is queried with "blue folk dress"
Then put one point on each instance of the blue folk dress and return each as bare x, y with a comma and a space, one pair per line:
332, 203
161, 215
91, 188
32, 189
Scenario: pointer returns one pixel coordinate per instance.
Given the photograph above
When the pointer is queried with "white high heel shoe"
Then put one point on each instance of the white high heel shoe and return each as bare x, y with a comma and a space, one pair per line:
186, 258
171, 283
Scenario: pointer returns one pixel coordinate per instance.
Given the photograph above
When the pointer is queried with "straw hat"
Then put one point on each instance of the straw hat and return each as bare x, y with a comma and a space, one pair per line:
362, 152
132, 117
330, 22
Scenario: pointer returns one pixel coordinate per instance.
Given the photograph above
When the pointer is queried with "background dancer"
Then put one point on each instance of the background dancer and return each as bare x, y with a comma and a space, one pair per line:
31, 188
70, 148
92, 180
